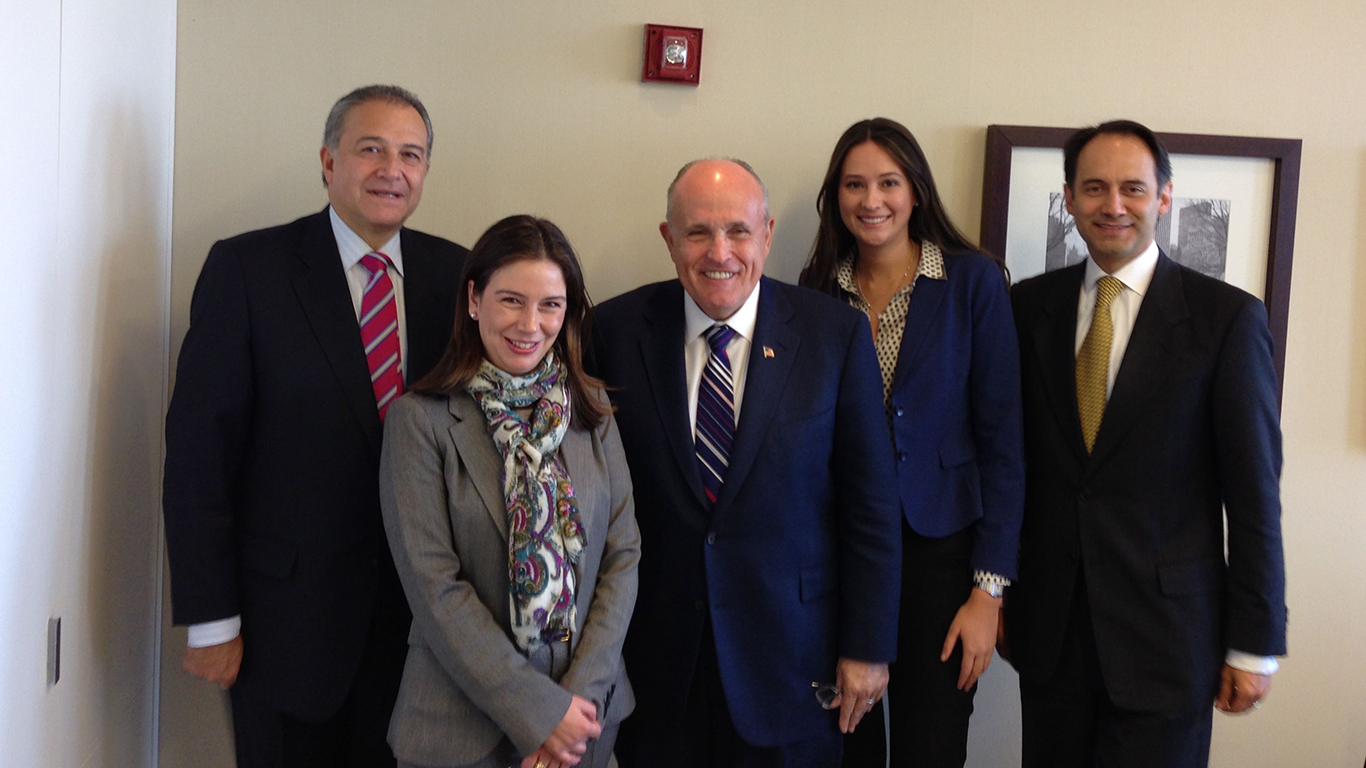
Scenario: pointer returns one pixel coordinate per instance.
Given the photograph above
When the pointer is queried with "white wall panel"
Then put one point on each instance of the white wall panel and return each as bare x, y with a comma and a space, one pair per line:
88, 130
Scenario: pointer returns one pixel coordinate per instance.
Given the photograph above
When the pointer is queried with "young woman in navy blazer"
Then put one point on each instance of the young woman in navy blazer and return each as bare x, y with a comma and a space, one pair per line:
941, 319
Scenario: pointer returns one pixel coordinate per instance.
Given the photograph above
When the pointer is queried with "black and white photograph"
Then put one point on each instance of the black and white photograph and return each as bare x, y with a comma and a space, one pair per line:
1194, 233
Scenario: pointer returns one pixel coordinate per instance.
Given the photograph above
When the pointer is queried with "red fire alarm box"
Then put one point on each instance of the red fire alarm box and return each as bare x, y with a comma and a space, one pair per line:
672, 55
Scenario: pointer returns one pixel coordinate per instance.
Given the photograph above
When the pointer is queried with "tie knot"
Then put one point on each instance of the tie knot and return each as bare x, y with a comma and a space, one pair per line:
374, 261
1107, 288
719, 336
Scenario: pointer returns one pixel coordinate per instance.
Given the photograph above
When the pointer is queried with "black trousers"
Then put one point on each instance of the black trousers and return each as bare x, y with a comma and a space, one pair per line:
1069, 721
706, 735
929, 715
356, 736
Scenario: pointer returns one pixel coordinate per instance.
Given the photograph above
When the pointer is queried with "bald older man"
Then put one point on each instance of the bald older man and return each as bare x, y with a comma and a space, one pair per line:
751, 414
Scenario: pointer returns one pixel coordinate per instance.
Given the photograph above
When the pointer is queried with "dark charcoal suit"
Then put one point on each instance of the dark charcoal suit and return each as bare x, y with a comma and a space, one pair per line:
272, 465
1131, 537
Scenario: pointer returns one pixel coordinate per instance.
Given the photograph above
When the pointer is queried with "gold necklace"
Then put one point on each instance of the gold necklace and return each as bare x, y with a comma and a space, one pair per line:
900, 283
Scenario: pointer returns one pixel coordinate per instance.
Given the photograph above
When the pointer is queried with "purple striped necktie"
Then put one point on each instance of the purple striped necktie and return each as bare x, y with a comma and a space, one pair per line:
379, 332
715, 412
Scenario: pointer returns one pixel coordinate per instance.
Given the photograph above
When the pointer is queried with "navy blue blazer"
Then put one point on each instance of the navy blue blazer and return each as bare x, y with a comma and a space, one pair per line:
799, 562
956, 414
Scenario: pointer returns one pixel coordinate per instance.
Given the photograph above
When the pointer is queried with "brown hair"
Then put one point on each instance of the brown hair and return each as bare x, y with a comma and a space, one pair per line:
514, 239
929, 223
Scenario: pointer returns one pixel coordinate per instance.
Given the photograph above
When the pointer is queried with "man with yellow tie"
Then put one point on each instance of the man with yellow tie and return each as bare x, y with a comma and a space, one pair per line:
1151, 418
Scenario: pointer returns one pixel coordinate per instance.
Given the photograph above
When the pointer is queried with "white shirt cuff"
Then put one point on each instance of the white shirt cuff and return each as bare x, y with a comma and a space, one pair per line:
214, 632
989, 576
1257, 665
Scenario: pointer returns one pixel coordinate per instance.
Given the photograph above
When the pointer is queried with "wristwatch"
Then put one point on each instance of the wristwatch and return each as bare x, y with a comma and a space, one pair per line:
990, 583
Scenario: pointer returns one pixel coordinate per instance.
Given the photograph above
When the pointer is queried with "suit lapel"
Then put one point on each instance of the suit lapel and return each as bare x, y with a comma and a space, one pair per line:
477, 452
765, 379
661, 349
576, 451
422, 299
926, 300
1147, 358
1055, 341
326, 301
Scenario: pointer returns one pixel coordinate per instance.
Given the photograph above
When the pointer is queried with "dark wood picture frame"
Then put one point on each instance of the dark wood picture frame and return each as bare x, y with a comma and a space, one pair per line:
1285, 153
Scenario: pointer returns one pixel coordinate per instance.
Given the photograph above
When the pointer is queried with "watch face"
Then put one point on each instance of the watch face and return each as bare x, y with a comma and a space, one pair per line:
676, 54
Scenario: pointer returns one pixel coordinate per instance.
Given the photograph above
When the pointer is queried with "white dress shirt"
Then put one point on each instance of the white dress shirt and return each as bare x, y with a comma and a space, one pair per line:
352, 248
697, 351
1136, 276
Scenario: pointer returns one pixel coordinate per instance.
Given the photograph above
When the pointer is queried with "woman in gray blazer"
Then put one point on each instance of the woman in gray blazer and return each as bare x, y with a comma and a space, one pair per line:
507, 502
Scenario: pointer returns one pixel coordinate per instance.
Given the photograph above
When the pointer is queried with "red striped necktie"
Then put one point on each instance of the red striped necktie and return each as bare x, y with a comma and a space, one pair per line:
379, 332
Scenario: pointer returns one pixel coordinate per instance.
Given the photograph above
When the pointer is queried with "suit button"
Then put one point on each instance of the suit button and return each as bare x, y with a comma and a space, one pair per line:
1084, 495
698, 605
901, 455
1071, 557
711, 538
899, 411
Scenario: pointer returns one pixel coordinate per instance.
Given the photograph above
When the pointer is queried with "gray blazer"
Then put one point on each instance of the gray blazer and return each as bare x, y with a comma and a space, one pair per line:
465, 683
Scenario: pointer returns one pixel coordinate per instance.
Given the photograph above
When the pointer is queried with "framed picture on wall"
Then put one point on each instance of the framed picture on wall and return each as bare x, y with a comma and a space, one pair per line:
1232, 215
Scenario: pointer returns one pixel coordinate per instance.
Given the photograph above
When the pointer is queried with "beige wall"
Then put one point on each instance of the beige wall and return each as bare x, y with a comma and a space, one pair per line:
538, 108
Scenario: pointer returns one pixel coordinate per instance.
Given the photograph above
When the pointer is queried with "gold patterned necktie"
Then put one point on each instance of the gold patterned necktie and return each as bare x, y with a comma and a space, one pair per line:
1093, 361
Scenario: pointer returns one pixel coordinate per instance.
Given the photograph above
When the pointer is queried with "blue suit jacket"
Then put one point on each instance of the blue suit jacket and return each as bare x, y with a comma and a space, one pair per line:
956, 412
798, 563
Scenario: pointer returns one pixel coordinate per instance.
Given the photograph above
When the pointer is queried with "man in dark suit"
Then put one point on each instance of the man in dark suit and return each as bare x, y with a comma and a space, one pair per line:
1150, 417
300, 336
751, 415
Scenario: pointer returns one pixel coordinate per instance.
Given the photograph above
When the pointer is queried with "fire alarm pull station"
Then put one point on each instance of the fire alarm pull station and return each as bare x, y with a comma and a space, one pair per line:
672, 55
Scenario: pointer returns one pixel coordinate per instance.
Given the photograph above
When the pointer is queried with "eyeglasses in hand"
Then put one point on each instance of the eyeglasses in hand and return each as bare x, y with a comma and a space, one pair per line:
826, 694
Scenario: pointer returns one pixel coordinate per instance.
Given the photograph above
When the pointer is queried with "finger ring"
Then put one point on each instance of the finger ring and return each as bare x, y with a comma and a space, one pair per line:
540, 765
1256, 705
872, 701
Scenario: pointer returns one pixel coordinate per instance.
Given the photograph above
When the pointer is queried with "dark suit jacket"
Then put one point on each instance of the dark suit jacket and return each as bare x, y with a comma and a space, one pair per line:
799, 562
956, 412
271, 489
1191, 433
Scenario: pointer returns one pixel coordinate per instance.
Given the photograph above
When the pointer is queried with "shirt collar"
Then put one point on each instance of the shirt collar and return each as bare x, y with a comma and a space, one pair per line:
1136, 275
352, 246
931, 262
931, 267
696, 322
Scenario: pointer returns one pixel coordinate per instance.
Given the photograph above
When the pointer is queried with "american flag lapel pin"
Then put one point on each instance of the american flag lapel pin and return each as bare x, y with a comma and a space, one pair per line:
768, 351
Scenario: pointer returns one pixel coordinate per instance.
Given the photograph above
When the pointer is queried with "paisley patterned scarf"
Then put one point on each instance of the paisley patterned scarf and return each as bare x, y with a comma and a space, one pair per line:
545, 533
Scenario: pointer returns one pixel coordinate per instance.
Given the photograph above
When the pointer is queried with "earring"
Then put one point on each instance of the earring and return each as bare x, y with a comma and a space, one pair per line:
472, 317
